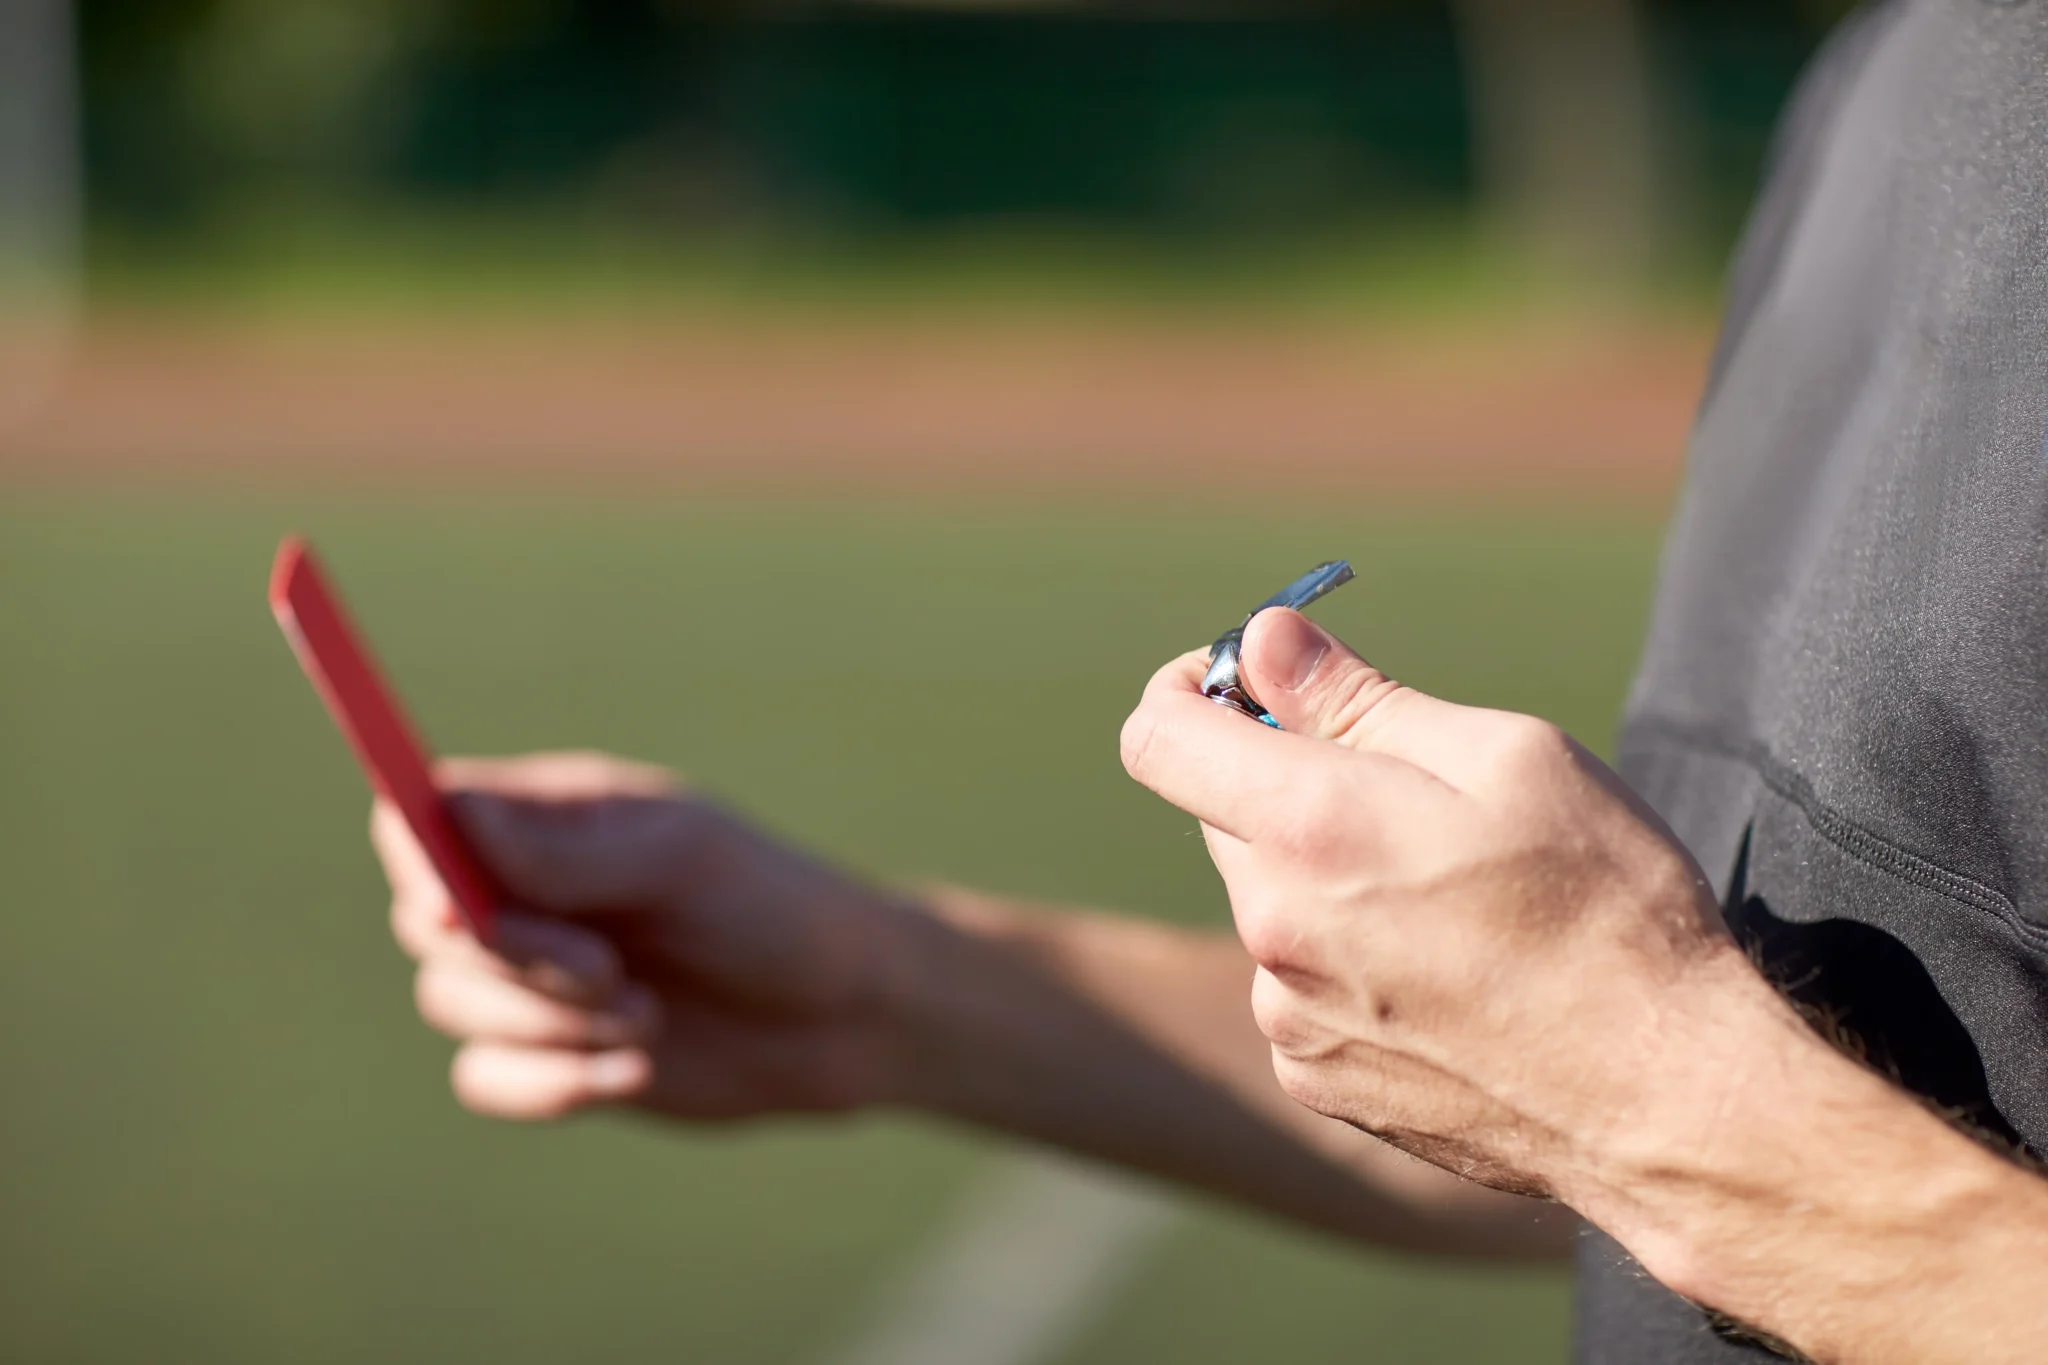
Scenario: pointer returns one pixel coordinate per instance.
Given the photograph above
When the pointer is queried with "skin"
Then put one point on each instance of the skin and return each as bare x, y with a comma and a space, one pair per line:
1460, 938
676, 960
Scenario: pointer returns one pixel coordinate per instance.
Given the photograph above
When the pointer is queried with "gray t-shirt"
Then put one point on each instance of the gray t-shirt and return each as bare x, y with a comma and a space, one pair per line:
1843, 704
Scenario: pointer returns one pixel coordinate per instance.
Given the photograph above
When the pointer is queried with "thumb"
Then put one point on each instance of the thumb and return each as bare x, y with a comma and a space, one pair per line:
1315, 684
612, 853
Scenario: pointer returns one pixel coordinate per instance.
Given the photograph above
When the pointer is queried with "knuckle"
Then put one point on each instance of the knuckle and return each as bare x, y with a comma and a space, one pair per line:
558, 959
596, 772
591, 973
403, 927
1294, 1082
1276, 1011
1355, 698
1314, 831
1260, 941
593, 769
386, 829
1134, 743
1525, 745
1304, 1084
436, 998
415, 924
1267, 936
556, 775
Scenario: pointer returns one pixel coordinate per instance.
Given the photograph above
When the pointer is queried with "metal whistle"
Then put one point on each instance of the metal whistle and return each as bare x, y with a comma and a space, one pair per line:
1221, 684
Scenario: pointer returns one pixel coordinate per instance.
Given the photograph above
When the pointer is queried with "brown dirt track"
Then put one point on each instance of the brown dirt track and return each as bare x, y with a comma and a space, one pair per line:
1197, 405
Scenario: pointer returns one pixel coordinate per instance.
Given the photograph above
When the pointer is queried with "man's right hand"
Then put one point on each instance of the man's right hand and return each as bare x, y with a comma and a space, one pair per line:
657, 951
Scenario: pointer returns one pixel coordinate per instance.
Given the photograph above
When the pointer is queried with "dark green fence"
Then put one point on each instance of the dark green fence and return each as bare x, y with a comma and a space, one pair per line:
892, 117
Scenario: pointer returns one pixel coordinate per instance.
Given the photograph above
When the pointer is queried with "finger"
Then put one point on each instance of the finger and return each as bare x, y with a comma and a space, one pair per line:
507, 1081
414, 882
565, 831
612, 852
469, 1004
565, 961
550, 784
1231, 855
559, 958
566, 777
1241, 777
1189, 668
1316, 685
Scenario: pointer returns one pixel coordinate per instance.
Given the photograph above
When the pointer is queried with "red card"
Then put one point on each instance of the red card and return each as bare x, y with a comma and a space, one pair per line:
348, 680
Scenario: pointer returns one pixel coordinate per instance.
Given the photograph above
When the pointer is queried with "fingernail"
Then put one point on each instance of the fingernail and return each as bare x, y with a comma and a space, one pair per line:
616, 1073
1291, 647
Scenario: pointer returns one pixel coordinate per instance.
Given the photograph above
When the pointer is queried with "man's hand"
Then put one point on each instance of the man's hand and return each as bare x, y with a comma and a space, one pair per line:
1474, 942
1467, 932
659, 952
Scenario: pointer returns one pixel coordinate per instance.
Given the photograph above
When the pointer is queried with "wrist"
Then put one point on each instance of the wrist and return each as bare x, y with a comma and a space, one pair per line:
1774, 1179
863, 1001
984, 1023
922, 1006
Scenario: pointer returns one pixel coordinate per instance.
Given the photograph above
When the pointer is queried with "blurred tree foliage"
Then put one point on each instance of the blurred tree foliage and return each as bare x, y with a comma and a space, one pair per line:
1236, 117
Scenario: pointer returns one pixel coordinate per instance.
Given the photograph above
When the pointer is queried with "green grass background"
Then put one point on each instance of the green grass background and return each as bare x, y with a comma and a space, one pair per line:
225, 1139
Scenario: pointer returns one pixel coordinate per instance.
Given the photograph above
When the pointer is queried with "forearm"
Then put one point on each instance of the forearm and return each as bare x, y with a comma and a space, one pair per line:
1134, 1042
1785, 1185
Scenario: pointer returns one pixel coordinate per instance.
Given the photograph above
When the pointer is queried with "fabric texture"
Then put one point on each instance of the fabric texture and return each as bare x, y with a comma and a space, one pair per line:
1842, 707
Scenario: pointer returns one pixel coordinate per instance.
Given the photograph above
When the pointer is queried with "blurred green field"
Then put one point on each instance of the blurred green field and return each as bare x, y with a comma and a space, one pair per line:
224, 1137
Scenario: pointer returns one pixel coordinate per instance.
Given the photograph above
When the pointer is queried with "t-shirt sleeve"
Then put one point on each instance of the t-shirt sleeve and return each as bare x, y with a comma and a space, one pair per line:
1789, 167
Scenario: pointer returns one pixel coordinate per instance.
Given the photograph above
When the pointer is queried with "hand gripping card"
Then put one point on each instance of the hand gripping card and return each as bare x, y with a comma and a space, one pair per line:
347, 678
